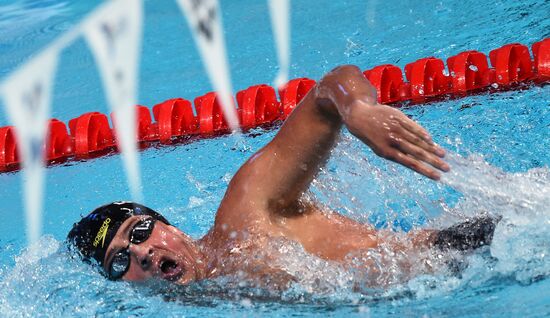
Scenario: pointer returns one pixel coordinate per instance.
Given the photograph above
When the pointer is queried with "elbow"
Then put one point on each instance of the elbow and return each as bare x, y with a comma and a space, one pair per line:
345, 70
341, 81
330, 88
339, 88
339, 75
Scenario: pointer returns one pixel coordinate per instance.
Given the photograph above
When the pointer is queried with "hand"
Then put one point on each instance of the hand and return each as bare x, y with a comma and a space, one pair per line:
392, 135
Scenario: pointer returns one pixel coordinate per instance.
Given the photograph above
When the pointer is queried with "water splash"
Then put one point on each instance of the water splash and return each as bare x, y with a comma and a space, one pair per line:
521, 242
45, 274
353, 48
513, 195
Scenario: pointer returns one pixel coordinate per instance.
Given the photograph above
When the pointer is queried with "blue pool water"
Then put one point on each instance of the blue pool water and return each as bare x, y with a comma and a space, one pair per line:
498, 146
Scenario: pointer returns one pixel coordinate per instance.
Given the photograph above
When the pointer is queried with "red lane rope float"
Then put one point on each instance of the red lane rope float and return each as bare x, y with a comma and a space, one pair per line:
388, 80
58, 142
9, 159
257, 105
512, 63
541, 52
427, 78
469, 71
175, 118
91, 133
292, 93
210, 114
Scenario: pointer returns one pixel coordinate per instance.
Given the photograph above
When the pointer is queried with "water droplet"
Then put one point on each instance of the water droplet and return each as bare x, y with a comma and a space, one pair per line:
453, 74
494, 85
195, 202
473, 68
421, 91
499, 77
246, 302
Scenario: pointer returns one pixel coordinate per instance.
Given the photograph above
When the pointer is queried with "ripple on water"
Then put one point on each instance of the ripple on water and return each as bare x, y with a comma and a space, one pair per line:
27, 26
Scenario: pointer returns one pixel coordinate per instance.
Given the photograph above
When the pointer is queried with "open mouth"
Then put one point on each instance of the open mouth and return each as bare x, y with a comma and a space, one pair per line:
171, 270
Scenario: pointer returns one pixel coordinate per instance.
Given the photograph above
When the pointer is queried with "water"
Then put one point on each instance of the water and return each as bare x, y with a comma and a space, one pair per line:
498, 146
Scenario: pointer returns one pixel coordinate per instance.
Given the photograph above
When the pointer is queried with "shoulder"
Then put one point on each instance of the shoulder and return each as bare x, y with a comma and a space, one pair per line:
242, 205
240, 217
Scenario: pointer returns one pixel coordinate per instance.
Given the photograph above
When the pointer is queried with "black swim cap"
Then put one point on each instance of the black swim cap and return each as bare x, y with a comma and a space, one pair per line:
93, 234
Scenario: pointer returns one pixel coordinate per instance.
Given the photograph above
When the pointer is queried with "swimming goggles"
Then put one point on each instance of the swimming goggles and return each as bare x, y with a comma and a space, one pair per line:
121, 261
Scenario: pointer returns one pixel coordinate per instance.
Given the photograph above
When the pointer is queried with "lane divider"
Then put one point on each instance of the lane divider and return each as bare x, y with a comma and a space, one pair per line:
90, 135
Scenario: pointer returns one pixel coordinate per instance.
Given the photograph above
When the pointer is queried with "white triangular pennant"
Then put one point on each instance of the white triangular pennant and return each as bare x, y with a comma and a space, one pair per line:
280, 23
114, 34
27, 95
204, 19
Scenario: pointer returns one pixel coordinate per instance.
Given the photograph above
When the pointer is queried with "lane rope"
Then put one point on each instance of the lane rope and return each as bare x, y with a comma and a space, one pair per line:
90, 134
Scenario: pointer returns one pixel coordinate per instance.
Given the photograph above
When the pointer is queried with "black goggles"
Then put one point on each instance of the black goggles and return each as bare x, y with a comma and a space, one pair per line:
121, 261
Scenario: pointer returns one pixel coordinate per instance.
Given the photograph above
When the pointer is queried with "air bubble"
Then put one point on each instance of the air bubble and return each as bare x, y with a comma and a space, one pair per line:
494, 85
473, 68
421, 91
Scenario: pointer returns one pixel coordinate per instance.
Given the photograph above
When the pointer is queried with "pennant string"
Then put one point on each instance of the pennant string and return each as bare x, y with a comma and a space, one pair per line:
27, 95
280, 22
205, 22
114, 34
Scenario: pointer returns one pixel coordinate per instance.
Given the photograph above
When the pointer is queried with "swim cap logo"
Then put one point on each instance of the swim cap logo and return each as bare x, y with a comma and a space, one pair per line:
102, 233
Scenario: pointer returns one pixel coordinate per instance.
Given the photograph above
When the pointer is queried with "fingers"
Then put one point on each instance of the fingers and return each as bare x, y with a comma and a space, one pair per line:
417, 166
417, 135
415, 128
419, 142
422, 155
416, 150
400, 139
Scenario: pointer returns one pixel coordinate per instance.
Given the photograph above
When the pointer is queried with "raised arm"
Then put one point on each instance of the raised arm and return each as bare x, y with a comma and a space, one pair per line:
275, 177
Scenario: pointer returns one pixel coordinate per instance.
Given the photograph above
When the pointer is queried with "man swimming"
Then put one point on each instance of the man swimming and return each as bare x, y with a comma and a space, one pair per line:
264, 200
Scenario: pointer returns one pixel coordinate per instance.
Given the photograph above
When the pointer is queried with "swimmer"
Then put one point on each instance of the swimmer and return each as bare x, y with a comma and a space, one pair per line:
264, 200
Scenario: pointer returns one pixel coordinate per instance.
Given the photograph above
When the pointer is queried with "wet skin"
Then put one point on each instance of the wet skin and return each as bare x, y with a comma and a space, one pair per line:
264, 199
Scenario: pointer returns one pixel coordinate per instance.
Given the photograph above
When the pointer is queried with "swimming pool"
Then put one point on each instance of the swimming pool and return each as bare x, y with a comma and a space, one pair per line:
509, 130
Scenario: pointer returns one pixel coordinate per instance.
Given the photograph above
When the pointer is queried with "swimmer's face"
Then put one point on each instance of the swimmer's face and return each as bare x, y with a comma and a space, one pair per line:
167, 253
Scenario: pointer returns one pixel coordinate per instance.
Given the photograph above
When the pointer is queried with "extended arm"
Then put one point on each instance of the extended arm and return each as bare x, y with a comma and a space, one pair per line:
275, 177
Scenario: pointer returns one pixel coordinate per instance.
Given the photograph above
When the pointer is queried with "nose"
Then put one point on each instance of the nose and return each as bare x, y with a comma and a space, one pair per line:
142, 254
